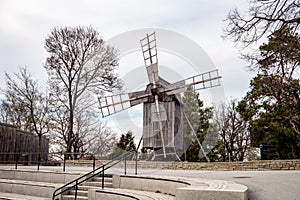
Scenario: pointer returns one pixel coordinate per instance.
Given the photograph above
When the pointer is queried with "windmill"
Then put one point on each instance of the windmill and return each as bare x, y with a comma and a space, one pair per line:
162, 107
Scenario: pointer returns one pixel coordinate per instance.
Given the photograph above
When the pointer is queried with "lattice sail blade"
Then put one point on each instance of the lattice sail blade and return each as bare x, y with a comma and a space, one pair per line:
198, 82
206, 80
113, 104
149, 50
116, 103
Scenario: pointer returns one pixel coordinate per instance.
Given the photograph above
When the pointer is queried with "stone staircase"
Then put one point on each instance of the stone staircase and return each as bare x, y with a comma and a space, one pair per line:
40, 185
112, 193
82, 192
31, 184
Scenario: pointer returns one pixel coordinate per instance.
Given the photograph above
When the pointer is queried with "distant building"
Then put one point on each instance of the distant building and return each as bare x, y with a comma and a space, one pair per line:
20, 145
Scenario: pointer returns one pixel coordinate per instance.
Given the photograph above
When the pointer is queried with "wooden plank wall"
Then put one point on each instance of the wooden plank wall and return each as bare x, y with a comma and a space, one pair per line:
171, 128
14, 141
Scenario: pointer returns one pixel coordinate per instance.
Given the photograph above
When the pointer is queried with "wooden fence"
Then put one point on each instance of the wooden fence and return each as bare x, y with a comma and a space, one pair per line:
20, 145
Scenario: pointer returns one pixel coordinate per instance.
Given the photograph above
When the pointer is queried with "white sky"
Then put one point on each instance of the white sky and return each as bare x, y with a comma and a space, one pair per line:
24, 25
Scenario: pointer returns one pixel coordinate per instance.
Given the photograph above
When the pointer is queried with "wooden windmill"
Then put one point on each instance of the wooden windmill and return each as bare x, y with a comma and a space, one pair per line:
162, 110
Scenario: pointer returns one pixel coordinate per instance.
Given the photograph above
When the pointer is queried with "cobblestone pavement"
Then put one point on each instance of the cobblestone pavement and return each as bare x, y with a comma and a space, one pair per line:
262, 185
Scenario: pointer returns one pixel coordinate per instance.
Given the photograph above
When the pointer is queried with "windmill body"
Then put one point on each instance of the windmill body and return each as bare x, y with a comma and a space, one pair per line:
170, 117
162, 111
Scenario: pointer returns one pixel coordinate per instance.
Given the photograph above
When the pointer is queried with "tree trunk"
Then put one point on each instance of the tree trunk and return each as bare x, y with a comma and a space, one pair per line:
39, 150
70, 132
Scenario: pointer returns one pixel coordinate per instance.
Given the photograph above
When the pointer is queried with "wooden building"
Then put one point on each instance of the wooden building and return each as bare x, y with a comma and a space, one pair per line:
15, 142
170, 119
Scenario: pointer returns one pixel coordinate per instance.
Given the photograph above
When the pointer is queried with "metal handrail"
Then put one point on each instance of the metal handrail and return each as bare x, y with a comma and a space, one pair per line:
17, 158
85, 177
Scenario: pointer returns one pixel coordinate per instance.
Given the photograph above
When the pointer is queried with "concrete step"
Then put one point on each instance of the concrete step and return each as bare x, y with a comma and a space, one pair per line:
94, 185
12, 196
30, 188
83, 193
106, 179
72, 197
97, 184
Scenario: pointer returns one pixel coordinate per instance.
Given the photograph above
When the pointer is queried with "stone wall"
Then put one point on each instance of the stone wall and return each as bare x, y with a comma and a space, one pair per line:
258, 165
227, 166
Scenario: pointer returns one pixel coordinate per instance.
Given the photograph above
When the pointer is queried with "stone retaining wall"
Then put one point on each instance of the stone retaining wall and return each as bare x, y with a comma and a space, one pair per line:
228, 166
242, 166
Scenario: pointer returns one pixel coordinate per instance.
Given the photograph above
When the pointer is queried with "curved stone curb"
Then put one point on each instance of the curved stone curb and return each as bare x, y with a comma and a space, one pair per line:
183, 188
127, 195
212, 189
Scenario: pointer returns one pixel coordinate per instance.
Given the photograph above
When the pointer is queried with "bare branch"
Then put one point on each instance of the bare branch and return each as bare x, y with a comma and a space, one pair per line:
263, 17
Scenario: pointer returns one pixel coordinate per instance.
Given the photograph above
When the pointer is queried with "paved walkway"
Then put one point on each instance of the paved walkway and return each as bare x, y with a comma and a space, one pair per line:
10, 196
149, 195
262, 185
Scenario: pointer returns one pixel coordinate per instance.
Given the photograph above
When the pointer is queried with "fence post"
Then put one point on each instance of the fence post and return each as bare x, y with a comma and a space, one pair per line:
125, 164
39, 158
64, 165
136, 159
76, 188
103, 177
94, 163
17, 159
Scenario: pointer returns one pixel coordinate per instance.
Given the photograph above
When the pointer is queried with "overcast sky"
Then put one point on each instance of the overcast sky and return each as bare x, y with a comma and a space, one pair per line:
24, 25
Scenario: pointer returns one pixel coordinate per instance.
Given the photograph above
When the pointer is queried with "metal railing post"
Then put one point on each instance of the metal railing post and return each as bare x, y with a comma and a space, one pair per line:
103, 177
136, 159
39, 159
125, 165
76, 188
17, 159
64, 165
94, 162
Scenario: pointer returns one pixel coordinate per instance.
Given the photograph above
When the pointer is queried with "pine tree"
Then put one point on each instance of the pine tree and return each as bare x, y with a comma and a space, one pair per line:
198, 117
125, 143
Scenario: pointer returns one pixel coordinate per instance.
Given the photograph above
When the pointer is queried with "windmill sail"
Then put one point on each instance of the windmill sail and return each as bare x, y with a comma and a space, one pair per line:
149, 50
116, 103
201, 81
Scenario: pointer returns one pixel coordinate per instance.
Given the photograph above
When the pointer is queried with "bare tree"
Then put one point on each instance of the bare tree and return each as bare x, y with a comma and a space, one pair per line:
26, 107
263, 18
90, 135
79, 62
59, 128
104, 140
4, 111
233, 132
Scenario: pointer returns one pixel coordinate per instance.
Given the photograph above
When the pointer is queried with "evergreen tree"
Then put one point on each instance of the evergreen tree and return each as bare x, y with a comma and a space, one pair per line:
125, 143
198, 117
272, 104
